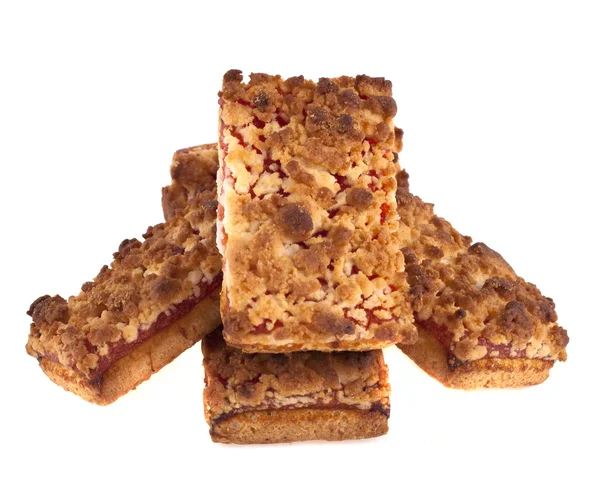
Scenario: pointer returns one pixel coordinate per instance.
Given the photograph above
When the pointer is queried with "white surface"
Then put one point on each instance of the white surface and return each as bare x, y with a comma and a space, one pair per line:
500, 107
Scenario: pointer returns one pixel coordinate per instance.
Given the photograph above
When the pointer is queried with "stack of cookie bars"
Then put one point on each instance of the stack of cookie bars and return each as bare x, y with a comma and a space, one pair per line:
298, 233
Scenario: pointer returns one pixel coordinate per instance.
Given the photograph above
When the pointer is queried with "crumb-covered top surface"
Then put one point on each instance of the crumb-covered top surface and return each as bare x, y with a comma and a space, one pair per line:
307, 214
468, 296
192, 170
148, 285
237, 381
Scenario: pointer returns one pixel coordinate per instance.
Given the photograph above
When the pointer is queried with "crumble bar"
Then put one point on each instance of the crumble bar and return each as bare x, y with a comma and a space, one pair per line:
307, 223
271, 398
157, 299
479, 324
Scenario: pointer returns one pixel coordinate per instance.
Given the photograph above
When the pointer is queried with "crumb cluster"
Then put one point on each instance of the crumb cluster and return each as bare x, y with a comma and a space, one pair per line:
192, 170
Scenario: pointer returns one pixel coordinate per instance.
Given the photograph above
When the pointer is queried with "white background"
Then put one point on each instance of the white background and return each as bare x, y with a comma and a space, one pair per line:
500, 105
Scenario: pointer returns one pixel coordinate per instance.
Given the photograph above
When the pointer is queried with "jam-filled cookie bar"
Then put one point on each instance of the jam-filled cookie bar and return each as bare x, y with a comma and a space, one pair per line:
480, 325
271, 398
157, 299
307, 223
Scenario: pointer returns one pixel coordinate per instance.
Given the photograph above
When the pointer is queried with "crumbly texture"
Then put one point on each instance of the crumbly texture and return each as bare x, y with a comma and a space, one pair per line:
148, 286
192, 170
240, 384
141, 362
307, 222
479, 323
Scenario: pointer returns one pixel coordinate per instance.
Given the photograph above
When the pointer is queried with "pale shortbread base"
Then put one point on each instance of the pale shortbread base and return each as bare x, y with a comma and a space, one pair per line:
147, 358
432, 356
284, 426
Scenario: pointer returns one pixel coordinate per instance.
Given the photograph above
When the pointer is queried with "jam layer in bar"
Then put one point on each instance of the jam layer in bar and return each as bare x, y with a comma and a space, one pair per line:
479, 324
307, 223
271, 398
157, 298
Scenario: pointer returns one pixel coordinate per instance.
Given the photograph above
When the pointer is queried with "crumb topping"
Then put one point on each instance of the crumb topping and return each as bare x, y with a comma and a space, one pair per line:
465, 294
307, 222
237, 381
149, 285
468, 296
192, 170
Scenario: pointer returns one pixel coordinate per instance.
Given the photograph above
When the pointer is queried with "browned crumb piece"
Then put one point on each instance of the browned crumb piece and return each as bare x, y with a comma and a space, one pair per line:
192, 170
269, 398
398, 138
307, 222
149, 286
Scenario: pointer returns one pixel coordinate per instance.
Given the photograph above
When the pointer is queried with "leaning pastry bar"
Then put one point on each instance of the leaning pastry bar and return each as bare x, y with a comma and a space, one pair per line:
271, 398
307, 221
479, 324
157, 299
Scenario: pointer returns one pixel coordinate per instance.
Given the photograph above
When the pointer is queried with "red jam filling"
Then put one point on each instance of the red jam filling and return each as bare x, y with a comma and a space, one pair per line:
263, 329
122, 348
385, 208
444, 336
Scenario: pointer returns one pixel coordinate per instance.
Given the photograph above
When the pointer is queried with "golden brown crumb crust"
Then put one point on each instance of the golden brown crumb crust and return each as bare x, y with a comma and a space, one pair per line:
284, 426
238, 383
146, 359
148, 286
308, 225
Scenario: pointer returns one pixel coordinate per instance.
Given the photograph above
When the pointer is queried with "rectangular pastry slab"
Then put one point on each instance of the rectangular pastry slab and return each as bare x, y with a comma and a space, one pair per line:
307, 224
273, 398
157, 298
479, 323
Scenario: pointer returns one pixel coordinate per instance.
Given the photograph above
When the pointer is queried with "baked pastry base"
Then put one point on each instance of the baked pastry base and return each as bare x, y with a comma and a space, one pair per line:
283, 426
430, 355
147, 358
